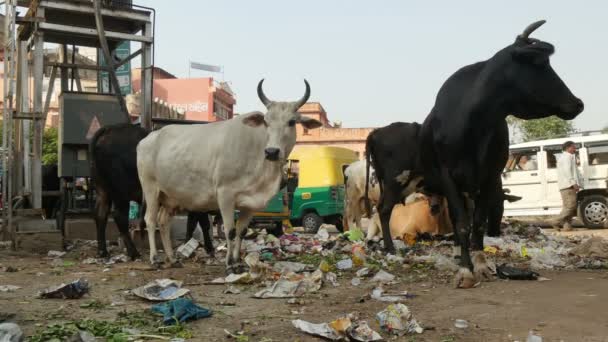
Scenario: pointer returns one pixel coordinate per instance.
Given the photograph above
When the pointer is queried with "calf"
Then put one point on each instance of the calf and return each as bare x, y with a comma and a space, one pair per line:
464, 140
114, 172
354, 205
225, 165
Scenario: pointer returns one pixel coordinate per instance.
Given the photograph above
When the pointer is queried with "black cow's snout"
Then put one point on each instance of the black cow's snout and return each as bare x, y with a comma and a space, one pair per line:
272, 153
574, 107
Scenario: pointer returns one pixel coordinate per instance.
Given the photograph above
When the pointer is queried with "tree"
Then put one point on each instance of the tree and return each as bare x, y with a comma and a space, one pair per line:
49, 146
538, 129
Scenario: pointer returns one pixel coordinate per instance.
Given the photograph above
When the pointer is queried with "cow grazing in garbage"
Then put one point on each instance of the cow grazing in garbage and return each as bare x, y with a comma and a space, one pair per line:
114, 172
464, 140
226, 165
354, 206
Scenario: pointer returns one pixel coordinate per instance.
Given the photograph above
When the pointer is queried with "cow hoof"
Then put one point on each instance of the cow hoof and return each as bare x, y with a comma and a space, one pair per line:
177, 264
240, 268
484, 269
103, 255
135, 256
464, 279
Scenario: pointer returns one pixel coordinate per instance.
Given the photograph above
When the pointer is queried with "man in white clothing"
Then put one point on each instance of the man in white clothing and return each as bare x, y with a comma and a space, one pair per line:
569, 182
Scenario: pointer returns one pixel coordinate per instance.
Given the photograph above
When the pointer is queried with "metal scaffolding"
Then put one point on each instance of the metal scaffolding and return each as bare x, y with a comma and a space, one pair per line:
96, 23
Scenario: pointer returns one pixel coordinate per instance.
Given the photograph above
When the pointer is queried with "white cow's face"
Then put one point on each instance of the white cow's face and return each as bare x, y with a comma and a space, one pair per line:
280, 123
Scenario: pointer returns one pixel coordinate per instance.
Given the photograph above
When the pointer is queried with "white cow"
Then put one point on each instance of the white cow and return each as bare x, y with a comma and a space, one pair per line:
354, 201
226, 165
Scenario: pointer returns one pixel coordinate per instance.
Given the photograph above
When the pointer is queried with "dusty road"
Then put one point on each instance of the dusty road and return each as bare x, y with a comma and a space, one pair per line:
572, 306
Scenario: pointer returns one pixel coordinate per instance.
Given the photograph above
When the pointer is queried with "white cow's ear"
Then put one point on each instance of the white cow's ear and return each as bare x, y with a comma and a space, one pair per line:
309, 123
254, 120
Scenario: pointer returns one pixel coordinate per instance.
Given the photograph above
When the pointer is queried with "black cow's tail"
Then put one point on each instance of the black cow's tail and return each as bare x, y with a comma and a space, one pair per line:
368, 152
92, 158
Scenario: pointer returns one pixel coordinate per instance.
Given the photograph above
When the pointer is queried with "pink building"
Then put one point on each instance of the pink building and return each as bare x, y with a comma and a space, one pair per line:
201, 98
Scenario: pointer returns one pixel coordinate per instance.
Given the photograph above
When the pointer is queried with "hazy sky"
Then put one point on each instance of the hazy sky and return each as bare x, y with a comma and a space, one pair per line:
374, 62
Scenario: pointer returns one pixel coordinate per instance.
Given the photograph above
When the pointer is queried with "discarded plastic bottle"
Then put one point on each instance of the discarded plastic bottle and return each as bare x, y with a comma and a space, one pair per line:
359, 256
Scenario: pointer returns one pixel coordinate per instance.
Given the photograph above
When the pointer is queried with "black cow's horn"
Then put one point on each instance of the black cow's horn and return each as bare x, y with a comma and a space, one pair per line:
303, 100
261, 95
531, 28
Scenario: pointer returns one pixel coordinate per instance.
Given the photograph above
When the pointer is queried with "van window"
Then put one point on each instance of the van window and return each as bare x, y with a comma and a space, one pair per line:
522, 161
555, 152
598, 154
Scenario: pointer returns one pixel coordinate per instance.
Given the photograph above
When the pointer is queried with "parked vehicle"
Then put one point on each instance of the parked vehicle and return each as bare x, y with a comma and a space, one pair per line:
532, 174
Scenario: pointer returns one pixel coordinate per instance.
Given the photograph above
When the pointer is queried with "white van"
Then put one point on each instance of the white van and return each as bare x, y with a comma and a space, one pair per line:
531, 173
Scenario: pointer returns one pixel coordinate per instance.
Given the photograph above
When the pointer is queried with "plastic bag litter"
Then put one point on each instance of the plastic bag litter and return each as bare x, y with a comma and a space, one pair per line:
360, 331
595, 247
10, 332
332, 278
186, 250
288, 266
90, 261
232, 290
55, 254
83, 336
507, 272
398, 320
117, 259
345, 264
180, 310
293, 285
9, 288
383, 277
379, 294
533, 337
73, 290
241, 278
355, 281
364, 272
161, 290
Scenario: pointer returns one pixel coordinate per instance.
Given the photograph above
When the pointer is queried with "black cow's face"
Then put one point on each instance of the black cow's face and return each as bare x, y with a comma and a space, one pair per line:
538, 90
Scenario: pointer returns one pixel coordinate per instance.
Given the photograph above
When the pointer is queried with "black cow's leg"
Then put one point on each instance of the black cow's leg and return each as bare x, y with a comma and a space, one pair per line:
121, 218
458, 212
102, 209
191, 224
479, 221
496, 209
387, 201
203, 221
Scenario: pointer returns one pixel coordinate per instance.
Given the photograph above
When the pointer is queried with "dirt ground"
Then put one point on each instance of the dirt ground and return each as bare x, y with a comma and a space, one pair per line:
571, 306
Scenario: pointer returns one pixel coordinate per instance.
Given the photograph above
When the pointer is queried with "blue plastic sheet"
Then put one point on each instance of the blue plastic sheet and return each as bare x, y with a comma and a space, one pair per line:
181, 309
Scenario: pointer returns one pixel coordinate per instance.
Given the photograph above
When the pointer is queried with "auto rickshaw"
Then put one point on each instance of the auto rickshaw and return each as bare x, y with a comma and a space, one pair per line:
314, 190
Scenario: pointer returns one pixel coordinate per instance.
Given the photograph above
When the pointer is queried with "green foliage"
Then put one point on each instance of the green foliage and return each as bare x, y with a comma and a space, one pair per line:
538, 129
49, 146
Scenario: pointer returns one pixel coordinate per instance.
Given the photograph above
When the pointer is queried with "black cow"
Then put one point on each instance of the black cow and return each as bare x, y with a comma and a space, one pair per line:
114, 172
394, 148
464, 140
50, 182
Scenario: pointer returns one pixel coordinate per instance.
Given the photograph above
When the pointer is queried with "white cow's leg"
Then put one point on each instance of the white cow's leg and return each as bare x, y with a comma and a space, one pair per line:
241, 230
227, 211
164, 222
151, 218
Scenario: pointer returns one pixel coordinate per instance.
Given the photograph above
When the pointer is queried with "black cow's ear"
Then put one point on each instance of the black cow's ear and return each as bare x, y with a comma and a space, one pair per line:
537, 53
254, 120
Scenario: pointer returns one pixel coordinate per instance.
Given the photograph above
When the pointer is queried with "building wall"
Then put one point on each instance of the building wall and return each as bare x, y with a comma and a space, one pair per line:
328, 135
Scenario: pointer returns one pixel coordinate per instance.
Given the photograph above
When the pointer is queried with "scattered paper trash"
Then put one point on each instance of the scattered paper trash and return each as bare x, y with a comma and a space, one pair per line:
345, 264
90, 261
322, 235
9, 288
288, 266
73, 290
379, 294
533, 337
364, 272
321, 329
293, 285
117, 259
55, 254
461, 324
507, 272
332, 278
161, 290
383, 277
186, 250
344, 328
180, 310
232, 290
398, 320
10, 332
